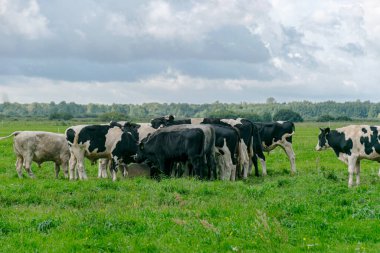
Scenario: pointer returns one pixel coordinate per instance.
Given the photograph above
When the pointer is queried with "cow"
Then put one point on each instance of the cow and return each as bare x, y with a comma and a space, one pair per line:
250, 143
276, 134
181, 143
352, 144
99, 141
138, 130
40, 147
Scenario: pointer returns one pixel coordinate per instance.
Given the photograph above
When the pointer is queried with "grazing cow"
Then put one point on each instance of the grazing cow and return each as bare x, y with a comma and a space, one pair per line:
139, 131
181, 143
40, 147
250, 143
352, 144
99, 141
276, 134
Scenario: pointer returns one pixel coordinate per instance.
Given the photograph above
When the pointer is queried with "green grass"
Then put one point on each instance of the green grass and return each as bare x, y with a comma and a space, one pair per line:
313, 211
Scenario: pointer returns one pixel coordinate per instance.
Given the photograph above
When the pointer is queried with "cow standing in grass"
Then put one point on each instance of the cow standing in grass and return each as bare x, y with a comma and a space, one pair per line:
40, 147
352, 144
276, 134
181, 143
99, 141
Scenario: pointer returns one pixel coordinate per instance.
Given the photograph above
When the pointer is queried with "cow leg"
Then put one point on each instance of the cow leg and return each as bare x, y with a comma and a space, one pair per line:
57, 169
72, 165
351, 168
19, 163
113, 166
264, 166
102, 169
65, 168
291, 156
255, 164
28, 165
81, 169
357, 171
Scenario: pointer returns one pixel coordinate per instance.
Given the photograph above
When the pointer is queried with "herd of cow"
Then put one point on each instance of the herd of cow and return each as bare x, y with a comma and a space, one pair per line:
207, 148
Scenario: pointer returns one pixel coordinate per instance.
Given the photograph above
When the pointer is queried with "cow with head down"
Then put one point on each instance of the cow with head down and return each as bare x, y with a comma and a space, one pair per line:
249, 144
352, 144
181, 143
276, 134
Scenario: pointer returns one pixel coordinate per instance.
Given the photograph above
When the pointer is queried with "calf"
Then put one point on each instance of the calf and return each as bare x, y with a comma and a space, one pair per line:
352, 144
181, 143
99, 141
40, 147
276, 134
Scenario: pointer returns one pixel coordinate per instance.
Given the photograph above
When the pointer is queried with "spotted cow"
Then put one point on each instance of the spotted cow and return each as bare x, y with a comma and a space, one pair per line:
99, 141
276, 134
352, 144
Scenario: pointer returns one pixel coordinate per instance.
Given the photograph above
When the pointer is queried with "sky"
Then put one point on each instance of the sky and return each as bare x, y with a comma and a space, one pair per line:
189, 51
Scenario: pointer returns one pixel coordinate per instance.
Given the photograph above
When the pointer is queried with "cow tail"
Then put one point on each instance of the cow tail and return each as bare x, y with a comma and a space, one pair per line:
12, 134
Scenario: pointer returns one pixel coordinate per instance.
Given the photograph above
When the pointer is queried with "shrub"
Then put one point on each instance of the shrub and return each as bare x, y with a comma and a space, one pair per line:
287, 115
60, 116
115, 116
325, 118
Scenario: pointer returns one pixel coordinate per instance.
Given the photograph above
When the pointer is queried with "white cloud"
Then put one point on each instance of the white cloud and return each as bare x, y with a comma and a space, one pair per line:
26, 20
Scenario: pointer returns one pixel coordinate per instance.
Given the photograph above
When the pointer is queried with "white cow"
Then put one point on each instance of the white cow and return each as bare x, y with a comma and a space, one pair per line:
40, 147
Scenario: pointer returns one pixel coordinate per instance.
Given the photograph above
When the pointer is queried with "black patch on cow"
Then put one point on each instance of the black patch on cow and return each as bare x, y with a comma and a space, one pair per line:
364, 130
338, 142
372, 142
126, 148
96, 134
70, 135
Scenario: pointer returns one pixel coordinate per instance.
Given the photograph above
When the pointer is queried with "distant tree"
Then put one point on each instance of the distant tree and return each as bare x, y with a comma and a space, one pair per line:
286, 114
325, 118
60, 116
222, 114
266, 117
271, 100
112, 116
343, 118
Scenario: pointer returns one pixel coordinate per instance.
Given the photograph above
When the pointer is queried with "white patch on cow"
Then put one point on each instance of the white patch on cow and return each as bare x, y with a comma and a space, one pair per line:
231, 122
224, 162
144, 130
280, 122
196, 120
244, 158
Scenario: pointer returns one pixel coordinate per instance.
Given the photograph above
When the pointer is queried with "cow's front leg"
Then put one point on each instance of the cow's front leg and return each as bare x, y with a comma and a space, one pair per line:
57, 169
72, 165
351, 168
291, 156
357, 170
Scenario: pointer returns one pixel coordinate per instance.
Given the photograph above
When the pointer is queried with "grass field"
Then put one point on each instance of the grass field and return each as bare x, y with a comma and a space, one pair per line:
313, 211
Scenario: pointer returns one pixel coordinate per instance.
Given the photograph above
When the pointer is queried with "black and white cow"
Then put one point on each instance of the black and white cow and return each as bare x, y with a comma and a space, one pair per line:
276, 134
181, 143
99, 141
40, 147
250, 143
352, 144
138, 130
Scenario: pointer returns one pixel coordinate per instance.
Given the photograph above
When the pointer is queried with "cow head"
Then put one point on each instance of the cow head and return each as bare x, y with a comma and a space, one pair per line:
162, 121
322, 139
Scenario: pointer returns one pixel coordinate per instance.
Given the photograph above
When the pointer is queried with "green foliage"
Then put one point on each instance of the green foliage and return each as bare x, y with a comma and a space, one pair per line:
289, 115
115, 116
328, 118
325, 118
146, 111
61, 116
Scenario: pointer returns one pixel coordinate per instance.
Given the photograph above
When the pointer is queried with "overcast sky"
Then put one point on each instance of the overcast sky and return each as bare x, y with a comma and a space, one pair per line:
193, 51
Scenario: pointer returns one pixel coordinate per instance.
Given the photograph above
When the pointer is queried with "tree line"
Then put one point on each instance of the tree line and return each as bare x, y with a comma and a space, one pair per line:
271, 110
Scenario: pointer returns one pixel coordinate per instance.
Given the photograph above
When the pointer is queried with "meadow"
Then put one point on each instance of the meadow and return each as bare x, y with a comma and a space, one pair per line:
313, 211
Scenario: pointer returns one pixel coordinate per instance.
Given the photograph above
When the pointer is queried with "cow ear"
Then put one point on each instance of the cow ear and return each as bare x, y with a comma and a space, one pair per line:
327, 130
321, 129
171, 117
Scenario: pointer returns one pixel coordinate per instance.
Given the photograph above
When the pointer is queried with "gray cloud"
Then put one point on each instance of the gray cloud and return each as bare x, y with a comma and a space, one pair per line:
189, 51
